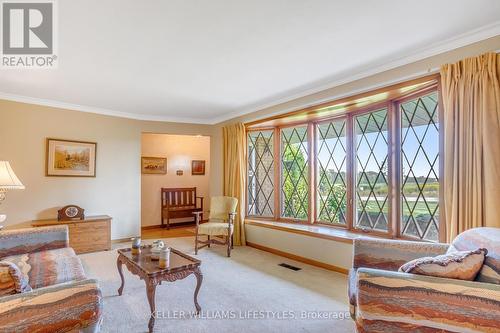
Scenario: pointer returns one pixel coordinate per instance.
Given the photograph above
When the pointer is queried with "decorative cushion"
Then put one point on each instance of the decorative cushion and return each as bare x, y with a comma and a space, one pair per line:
214, 229
46, 268
488, 238
12, 281
463, 265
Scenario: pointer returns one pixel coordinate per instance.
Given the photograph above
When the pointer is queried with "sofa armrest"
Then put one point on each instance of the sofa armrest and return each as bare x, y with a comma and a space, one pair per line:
391, 254
18, 241
402, 300
67, 306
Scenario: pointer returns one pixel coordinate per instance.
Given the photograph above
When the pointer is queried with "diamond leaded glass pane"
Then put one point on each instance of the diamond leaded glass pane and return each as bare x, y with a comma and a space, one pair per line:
371, 179
260, 173
294, 173
420, 168
331, 172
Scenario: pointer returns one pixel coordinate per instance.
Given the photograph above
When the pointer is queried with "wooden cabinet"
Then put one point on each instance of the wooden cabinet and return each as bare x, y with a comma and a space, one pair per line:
91, 234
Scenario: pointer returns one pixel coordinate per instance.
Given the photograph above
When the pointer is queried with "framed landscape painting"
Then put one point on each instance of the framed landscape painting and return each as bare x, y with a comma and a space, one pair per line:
68, 158
154, 165
197, 167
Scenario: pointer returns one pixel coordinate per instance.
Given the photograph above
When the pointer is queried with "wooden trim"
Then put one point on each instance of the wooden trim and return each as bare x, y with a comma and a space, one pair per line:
428, 78
311, 170
390, 168
351, 172
418, 93
277, 174
442, 213
301, 232
304, 260
173, 225
247, 184
396, 173
259, 129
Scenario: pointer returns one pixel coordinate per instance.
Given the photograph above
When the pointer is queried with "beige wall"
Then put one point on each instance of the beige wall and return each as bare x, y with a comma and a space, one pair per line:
116, 190
323, 250
179, 151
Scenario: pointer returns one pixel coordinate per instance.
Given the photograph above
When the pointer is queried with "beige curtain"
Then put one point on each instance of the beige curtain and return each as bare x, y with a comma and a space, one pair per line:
471, 102
234, 150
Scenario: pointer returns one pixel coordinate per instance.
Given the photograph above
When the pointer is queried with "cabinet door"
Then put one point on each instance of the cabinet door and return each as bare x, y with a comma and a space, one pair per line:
89, 236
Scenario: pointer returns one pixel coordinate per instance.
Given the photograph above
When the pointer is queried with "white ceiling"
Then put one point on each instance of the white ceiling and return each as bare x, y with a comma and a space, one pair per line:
207, 61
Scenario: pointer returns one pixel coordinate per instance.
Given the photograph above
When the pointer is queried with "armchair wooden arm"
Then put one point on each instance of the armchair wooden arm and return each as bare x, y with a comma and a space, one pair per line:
201, 202
198, 216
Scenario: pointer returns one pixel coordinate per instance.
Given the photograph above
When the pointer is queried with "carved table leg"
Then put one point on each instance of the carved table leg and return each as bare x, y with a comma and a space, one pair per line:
199, 279
119, 265
151, 290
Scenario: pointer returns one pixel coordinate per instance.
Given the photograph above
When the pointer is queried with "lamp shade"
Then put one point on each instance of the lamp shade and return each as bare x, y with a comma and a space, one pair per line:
8, 179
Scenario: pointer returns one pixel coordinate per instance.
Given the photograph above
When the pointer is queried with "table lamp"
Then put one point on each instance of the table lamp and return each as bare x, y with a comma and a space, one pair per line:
8, 181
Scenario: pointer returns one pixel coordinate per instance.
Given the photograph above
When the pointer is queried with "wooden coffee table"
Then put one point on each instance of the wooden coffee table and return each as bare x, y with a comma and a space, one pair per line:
181, 266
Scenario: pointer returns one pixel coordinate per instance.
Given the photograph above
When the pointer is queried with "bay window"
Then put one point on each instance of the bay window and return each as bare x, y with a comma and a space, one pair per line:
371, 167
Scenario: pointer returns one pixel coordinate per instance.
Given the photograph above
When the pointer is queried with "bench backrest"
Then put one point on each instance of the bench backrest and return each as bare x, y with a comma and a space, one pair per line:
178, 197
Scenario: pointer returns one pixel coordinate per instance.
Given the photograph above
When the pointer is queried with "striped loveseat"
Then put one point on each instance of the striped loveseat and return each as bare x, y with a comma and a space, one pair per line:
385, 300
62, 299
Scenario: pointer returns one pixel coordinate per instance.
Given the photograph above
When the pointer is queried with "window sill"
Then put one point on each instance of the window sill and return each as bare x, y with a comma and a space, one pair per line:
317, 231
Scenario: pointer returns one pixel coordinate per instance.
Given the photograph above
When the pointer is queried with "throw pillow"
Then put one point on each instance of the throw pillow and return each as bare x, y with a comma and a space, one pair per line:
488, 238
463, 265
12, 281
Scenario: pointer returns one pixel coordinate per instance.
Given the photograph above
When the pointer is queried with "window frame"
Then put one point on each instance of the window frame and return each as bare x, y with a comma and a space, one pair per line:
393, 159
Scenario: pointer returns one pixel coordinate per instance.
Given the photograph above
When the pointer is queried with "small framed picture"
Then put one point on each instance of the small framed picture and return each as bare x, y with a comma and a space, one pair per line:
68, 158
154, 165
197, 167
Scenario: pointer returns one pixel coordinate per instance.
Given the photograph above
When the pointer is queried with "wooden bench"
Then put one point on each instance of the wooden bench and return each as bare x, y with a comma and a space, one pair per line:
178, 203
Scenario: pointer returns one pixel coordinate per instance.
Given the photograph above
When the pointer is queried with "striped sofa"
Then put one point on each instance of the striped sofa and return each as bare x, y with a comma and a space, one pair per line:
385, 300
62, 299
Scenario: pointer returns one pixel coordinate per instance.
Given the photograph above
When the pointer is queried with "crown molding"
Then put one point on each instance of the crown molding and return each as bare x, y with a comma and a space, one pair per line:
447, 45
470, 37
96, 110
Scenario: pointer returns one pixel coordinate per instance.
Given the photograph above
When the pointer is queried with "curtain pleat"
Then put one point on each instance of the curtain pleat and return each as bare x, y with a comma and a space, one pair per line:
234, 153
471, 103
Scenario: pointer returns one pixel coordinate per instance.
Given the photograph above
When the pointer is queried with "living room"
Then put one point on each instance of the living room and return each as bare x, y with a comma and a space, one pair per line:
319, 166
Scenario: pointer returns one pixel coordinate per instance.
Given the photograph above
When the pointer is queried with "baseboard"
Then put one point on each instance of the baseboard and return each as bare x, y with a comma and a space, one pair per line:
308, 261
148, 227
121, 240
172, 225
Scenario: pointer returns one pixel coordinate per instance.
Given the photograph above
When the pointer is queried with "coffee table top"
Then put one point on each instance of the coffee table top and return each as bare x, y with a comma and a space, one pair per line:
178, 261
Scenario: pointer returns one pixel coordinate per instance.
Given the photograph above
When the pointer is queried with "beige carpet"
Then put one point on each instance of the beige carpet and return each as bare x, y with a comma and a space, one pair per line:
248, 292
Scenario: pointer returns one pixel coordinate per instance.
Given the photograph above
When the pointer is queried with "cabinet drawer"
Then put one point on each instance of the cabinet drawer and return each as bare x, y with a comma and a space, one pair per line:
90, 227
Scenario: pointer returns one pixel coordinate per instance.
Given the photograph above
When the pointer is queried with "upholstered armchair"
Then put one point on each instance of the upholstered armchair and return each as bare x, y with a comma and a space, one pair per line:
385, 300
220, 223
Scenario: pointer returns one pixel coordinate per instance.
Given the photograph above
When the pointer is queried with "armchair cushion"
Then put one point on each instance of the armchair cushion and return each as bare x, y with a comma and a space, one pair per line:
401, 302
214, 228
46, 268
220, 207
488, 238
463, 265
392, 254
12, 281
68, 307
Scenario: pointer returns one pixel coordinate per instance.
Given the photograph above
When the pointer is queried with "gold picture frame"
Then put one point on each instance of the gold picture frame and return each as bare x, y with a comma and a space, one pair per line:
154, 165
70, 158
